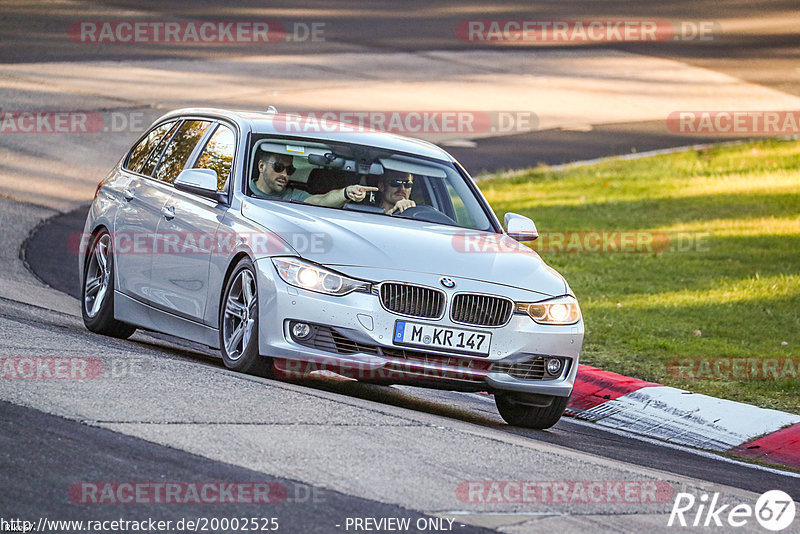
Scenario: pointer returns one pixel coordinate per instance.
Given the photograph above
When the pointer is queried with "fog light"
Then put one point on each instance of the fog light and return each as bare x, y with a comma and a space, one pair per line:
554, 366
301, 330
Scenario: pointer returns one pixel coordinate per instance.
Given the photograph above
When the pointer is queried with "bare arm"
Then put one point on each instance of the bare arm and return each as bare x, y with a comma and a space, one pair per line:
336, 198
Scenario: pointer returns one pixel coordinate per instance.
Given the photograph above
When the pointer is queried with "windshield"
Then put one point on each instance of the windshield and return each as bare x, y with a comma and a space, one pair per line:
365, 179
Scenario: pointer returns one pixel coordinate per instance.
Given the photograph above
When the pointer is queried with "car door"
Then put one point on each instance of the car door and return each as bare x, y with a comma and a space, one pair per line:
187, 231
137, 219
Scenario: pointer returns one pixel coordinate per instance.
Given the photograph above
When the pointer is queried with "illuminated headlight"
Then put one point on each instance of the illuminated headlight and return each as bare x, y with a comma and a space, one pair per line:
562, 310
306, 275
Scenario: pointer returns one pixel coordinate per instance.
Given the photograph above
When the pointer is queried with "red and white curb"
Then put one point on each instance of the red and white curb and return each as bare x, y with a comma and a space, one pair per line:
685, 418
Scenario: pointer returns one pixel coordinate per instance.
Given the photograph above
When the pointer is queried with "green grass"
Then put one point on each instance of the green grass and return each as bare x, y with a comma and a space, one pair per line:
731, 272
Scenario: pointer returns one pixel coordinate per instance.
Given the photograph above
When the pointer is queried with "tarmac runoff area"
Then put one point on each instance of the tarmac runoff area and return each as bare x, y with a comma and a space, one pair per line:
459, 99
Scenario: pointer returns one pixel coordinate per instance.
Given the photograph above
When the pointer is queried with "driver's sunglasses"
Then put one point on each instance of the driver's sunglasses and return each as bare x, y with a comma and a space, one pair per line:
405, 183
277, 166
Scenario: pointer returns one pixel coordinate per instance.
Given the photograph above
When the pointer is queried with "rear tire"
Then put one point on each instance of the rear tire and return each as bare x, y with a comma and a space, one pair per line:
514, 412
97, 293
238, 323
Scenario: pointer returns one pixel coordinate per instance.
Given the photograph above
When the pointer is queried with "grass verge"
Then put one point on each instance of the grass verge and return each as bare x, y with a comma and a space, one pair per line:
711, 268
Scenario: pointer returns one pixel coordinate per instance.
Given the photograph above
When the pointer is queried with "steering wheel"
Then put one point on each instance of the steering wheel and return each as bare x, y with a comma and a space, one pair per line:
424, 213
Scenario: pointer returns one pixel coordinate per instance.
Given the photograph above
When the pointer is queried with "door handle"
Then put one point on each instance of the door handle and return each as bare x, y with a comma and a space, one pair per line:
129, 193
168, 212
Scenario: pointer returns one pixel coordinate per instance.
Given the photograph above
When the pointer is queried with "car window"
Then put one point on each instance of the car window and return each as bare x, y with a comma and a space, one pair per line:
458, 210
155, 155
218, 155
179, 149
143, 149
403, 186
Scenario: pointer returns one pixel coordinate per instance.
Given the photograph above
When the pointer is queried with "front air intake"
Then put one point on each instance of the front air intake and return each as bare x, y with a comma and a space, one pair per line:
481, 310
411, 300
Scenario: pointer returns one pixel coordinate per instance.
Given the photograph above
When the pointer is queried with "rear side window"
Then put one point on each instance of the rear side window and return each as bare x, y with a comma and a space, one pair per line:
218, 155
179, 149
152, 160
145, 146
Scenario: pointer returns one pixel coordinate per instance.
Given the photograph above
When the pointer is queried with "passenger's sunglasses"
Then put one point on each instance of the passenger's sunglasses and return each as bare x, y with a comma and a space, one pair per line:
405, 183
277, 166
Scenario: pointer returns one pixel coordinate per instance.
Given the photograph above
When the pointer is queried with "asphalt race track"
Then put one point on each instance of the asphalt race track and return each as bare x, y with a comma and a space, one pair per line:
167, 410
44, 444
51, 265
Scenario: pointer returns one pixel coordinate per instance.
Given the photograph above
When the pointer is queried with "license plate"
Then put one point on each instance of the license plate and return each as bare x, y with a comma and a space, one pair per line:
441, 337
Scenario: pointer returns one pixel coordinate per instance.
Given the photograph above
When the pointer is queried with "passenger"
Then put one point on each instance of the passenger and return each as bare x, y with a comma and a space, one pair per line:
395, 190
274, 171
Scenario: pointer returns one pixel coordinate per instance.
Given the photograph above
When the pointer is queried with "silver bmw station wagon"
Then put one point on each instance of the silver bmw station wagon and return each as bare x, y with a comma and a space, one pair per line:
302, 249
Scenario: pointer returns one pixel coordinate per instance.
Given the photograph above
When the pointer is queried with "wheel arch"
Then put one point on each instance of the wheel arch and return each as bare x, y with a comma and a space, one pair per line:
250, 359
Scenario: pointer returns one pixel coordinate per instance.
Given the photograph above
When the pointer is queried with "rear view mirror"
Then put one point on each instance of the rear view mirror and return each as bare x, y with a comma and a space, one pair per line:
201, 182
520, 227
332, 161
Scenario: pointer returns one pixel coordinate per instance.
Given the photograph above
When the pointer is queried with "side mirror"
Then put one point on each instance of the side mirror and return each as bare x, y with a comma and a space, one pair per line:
201, 182
520, 227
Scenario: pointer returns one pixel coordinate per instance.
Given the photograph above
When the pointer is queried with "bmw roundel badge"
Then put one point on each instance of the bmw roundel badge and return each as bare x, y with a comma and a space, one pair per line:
447, 282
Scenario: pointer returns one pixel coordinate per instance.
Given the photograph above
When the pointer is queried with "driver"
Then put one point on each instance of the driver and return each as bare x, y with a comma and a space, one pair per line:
394, 191
274, 171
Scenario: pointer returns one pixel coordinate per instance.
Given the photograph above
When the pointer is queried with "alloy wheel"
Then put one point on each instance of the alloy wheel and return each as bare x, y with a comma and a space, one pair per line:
240, 314
98, 274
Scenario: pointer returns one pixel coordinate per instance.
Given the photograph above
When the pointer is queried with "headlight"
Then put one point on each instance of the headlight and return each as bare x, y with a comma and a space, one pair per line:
561, 310
306, 275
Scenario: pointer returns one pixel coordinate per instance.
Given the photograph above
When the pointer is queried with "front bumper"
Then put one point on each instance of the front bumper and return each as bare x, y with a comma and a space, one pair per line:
363, 347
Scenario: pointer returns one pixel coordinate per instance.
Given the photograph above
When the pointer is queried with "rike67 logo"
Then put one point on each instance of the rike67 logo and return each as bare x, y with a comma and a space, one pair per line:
774, 510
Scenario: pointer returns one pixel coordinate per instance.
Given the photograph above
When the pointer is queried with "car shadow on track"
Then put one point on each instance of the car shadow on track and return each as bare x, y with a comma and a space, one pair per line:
378, 393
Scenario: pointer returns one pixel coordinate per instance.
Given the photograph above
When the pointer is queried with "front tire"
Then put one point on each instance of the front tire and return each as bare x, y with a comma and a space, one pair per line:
514, 410
238, 322
97, 293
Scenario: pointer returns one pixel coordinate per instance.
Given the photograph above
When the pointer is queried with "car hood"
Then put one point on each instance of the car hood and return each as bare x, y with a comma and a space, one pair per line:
342, 238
